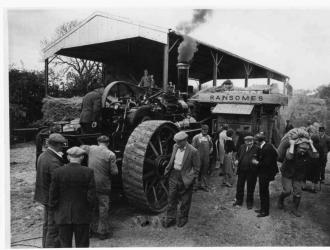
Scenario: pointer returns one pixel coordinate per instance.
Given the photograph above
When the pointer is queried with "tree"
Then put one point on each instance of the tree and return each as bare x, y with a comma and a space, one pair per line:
75, 73
26, 90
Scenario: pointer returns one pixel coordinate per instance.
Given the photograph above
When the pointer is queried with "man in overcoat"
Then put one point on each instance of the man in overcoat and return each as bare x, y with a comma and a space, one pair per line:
47, 162
183, 170
247, 162
267, 169
71, 199
91, 108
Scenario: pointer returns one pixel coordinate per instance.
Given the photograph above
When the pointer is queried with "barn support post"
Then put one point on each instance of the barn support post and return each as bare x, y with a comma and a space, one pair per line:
248, 70
216, 62
199, 85
215, 72
246, 83
269, 76
165, 65
46, 76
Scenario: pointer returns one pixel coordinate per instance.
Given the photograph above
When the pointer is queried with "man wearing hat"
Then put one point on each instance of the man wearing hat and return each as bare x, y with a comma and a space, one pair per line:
203, 143
47, 162
293, 170
182, 169
325, 145
91, 108
71, 199
103, 162
247, 162
267, 169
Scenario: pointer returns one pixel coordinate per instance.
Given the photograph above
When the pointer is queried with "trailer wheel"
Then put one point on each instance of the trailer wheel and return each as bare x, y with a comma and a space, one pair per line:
146, 155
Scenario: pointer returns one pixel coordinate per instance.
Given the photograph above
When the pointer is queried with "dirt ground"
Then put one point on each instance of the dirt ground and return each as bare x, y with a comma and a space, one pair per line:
213, 220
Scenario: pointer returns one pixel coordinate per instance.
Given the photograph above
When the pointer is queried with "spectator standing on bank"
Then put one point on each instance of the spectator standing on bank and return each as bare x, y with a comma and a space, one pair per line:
203, 143
325, 145
48, 161
228, 161
103, 162
183, 170
293, 171
71, 199
247, 171
267, 169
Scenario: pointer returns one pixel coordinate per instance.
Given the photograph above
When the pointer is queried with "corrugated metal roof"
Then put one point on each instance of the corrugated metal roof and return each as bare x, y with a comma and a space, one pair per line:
101, 28
239, 109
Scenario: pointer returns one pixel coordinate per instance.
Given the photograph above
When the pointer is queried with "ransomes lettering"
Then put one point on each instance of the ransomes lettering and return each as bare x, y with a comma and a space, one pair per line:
236, 98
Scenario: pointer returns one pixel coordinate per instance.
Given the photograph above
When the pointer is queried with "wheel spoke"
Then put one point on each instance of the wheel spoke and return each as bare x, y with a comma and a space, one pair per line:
160, 145
155, 195
153, 148
163, 186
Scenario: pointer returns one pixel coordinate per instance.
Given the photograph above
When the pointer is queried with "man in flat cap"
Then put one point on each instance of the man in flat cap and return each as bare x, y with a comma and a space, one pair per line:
293, 171
203, 143
47, 162
71, 199
103, 162
267, 169
246, 162
182, 169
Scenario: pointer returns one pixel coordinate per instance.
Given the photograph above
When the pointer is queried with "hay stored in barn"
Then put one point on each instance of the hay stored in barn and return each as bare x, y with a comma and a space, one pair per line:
61, 109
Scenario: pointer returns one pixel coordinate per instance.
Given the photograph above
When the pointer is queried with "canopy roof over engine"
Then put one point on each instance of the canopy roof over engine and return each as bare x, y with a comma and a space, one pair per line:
136, 46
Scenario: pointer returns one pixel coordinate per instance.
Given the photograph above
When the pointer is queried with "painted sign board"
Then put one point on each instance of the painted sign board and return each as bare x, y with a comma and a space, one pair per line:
243, 98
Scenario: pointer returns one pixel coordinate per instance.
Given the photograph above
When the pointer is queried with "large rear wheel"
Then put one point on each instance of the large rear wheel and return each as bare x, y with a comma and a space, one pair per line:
146, 155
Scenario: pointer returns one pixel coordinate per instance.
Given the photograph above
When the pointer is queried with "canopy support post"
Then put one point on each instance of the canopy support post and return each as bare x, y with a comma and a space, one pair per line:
269, 76
165, 65
248, 69
46, 76
216, 62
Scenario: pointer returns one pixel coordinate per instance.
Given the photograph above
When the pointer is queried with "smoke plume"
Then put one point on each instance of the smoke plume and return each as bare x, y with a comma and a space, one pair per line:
188, 46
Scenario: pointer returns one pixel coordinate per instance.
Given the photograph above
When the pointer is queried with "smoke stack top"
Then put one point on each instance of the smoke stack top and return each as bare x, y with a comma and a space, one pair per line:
188, 46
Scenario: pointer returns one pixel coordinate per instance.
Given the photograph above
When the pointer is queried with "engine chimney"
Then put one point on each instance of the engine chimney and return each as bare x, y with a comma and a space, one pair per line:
183, 75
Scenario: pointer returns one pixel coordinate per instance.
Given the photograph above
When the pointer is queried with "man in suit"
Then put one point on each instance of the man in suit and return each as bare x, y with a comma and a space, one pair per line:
246, 171
47, 162
71, 199
182, 170
91, 108
267, 169
324, 144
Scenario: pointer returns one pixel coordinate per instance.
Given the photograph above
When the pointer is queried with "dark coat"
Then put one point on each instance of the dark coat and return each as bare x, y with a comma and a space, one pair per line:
91, 106
253, 153
267, 166
72, 194
47, 162
325, 145
295, 167
190, 164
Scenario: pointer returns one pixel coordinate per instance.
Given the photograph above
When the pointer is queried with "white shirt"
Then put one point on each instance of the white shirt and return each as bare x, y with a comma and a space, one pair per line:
222, 137
262, 144
60, 154
179, 158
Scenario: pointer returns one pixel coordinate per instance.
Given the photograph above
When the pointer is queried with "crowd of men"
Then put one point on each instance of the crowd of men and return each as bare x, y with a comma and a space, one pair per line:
76, 198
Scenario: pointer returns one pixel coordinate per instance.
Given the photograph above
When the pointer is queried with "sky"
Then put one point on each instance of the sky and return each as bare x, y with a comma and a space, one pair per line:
294, 42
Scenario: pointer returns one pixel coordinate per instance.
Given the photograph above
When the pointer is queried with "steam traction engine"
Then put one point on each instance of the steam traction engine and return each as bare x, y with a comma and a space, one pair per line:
141, 127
